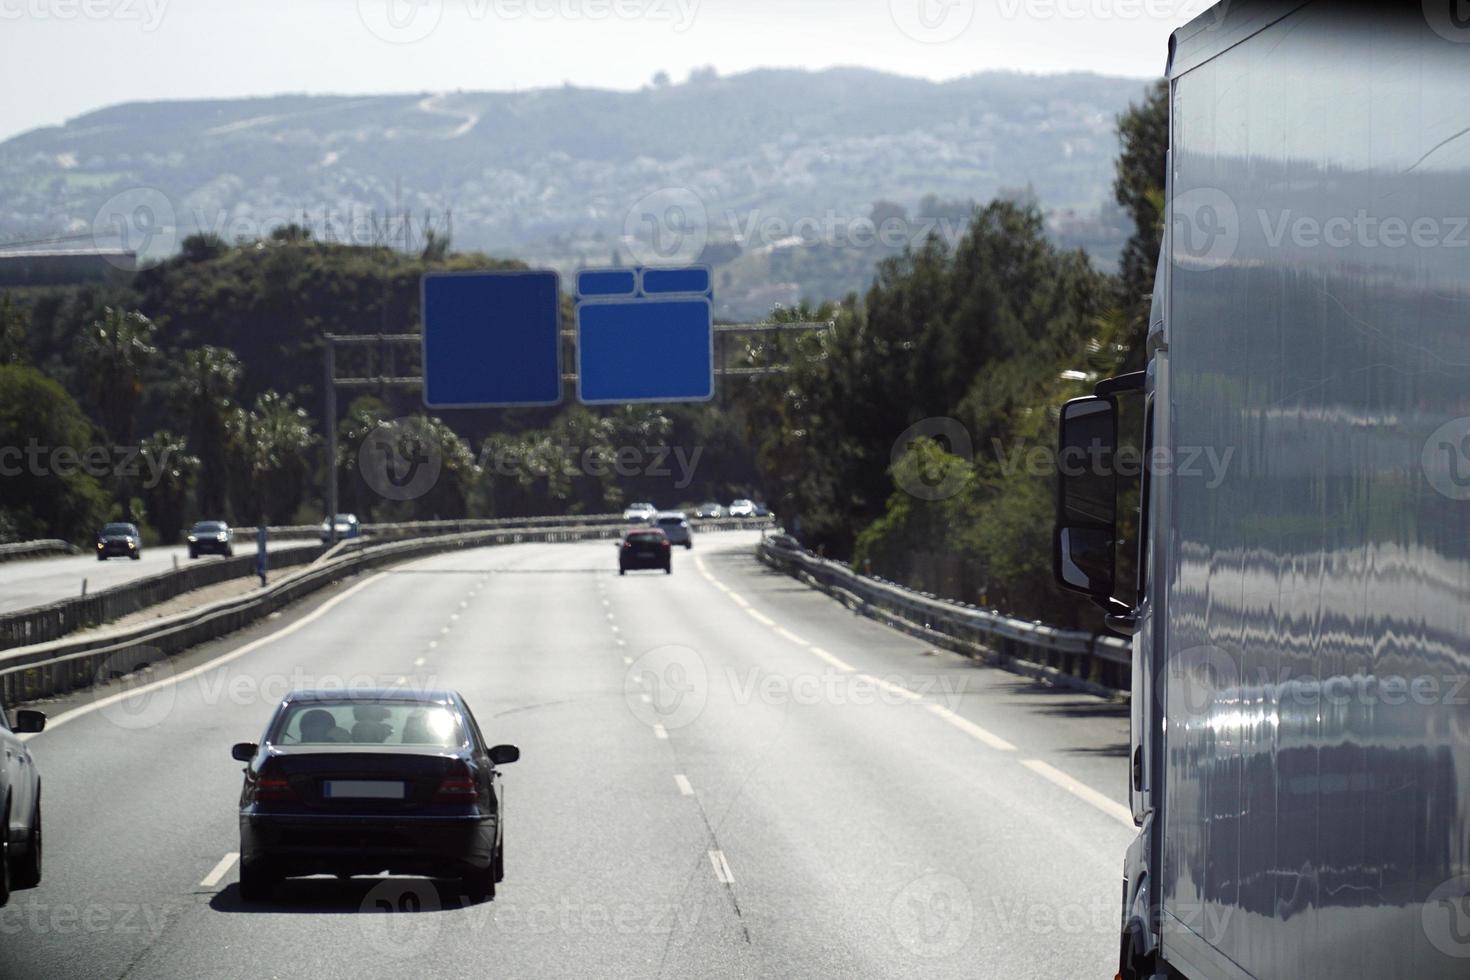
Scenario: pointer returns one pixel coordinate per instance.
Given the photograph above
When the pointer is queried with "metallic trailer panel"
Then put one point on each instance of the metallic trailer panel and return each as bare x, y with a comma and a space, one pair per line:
1316, 799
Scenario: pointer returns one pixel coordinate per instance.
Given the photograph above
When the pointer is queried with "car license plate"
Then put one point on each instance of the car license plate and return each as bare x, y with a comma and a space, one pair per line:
361, 789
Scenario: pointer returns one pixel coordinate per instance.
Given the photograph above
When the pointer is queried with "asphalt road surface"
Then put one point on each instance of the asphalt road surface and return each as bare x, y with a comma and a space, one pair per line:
37, 581
724, 774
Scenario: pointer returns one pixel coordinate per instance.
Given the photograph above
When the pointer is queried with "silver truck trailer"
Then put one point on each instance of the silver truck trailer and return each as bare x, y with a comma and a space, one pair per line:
1301, 627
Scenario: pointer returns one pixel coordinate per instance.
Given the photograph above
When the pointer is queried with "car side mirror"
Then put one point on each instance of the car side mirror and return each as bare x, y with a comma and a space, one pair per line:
504, 755
28, 722
243, 751
1084, 552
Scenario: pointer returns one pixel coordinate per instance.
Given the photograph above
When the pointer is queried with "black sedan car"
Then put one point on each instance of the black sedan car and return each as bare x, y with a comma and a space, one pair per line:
645, 548
211, 538
20, 804
119, 541
372, 782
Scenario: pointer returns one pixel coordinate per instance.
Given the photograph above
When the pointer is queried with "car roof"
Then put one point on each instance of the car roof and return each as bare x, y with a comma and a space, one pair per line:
644, 530
371, 694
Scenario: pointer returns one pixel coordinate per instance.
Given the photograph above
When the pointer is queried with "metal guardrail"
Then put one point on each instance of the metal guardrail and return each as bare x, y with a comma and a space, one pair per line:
35, 549
54, 620
1099, 664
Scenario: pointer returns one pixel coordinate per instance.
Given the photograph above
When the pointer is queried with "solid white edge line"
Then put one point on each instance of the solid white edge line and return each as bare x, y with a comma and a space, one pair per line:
722, 868
682, 781
219, 870
789, 636
54, 723
660, 731
761, 618
970, 728
735, 598
1082, 791
891, 688
834, 661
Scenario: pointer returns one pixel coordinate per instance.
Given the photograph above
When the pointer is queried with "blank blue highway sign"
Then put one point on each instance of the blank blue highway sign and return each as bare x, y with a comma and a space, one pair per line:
645, 351
492, 339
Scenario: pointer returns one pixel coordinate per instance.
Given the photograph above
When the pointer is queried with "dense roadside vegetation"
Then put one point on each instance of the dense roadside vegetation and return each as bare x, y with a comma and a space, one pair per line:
210, 364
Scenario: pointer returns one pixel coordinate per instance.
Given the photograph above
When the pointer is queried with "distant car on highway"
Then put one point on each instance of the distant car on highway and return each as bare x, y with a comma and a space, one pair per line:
675, 525
761, 510
347, 527
642, 513
741, 508
119, 541
645, 548
372, 782
20, 804
709, 511
211, 538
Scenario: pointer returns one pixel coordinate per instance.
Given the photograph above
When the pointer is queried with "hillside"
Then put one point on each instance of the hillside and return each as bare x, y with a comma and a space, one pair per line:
773, 160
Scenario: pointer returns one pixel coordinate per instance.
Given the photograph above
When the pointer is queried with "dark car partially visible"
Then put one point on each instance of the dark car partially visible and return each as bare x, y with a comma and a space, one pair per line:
119, 541
20, 804
368, 783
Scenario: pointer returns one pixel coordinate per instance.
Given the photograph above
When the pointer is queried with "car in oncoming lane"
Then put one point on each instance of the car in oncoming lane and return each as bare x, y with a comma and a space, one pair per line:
20, 804
211, 538
372, 782
344, 526
741, 508
645, 548
640, 513
675, 525
119, 540
709, 511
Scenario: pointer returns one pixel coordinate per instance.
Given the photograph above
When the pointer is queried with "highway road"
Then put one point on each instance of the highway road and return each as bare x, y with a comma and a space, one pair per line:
37, 581
724, 774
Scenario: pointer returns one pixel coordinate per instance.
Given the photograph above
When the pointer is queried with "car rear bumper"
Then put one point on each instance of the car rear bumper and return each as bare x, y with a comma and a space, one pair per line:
301, 844
636, 561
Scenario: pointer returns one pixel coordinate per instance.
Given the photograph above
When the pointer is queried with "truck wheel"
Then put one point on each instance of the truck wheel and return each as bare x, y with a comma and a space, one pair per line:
27, 872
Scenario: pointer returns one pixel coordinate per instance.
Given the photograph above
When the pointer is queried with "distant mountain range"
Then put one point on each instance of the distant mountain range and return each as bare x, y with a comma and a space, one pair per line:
732, 170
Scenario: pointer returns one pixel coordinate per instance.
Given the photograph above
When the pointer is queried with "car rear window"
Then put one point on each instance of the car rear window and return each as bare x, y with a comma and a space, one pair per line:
358, 722
646, 538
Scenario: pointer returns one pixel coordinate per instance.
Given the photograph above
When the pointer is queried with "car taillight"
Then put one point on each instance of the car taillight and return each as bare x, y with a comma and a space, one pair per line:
627, 544
458, 785
270, 786
663, 544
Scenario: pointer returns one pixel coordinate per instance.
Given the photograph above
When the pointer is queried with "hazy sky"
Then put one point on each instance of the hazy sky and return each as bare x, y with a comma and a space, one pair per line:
62, 58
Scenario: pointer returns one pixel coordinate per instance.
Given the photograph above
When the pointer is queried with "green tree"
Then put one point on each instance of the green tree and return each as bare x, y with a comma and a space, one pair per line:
46, 446
1143, 131
116, 352
203, 396
14, 331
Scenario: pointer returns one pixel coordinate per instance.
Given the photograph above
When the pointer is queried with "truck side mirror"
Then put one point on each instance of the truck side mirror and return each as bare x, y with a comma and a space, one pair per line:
1084, 553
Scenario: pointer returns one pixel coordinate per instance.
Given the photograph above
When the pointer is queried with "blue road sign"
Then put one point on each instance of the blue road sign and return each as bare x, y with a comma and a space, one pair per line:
653, 342
492, 339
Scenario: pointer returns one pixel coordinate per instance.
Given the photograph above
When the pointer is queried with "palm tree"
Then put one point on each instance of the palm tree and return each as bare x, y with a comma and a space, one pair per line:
203, 399
116, 351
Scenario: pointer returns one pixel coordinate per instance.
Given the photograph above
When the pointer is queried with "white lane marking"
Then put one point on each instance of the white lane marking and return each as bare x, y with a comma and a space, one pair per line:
761, 618
699, 564
1082, 791
660, 731
454, 617
682, 781
970, 728
786, 634
419, 661
615, 629
433, 644
834, 661
722, 868
56, 722
621, 642
464, 605
219, 870
444, 631
646, 699
610, 617
628, 661
735, 598
891, 688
